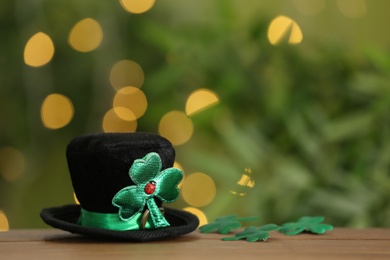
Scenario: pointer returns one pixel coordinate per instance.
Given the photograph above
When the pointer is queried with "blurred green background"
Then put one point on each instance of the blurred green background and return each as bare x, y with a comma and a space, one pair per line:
301, 128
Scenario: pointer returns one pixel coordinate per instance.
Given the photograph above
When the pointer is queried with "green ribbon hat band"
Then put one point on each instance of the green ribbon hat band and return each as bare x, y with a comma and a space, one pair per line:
111, 221
150, 182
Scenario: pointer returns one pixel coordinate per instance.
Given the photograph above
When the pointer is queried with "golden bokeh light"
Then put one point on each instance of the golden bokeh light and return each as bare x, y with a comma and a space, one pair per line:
124, 113
352, 8
198, 190
137, 6
113, 123
246, 182
199, 214
200, 100
130, 103
178, 165
126, 73
309, 7
283, 26
56, 111
75, 199
39, 50
246, 179
86, 35
176, 127
241, 194
4, 225
12, 163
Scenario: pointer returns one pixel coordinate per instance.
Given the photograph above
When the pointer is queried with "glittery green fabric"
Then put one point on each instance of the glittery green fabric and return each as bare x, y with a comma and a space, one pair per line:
145, 172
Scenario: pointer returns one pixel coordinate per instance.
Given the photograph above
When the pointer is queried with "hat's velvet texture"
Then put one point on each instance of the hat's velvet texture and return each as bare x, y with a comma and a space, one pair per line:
99, 165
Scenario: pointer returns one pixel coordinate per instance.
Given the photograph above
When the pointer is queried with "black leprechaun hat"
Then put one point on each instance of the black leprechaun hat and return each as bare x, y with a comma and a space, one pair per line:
121, 181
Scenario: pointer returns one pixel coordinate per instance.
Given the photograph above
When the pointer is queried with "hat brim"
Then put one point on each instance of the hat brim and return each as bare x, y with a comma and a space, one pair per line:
66, 217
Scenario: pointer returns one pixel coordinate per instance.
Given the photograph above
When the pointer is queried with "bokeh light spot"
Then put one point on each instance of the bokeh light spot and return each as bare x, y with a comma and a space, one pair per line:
125, 113
352, 8
241, 194
113, 123
200, 214
137, 6
56, 111
126, 73
246, 179
309, 7
4, 225
245, 183
12, 163
198, 190
200, 100
86, 35
280, 27
76, 199
176, 127
39, 50
130, 103
178, 165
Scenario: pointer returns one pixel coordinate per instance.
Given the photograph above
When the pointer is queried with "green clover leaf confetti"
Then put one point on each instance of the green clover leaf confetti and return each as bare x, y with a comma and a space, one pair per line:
150, 182
223, 225
310, 224
253, 234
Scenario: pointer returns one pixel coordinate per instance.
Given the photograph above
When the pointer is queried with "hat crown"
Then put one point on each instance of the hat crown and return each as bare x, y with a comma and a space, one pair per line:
99, 165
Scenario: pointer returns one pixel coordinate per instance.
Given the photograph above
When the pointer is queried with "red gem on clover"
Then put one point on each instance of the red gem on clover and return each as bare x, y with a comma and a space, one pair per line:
150, 187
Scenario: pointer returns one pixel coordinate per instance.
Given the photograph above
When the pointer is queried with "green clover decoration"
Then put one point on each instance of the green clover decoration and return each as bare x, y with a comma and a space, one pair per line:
224, 225
253, 234
150, 182
311, 224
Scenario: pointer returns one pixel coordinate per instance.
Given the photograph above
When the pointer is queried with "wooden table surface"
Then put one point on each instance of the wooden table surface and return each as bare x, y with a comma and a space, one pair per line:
340, 243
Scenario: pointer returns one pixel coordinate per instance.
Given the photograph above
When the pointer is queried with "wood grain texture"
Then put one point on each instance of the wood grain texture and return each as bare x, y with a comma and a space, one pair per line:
340, 243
